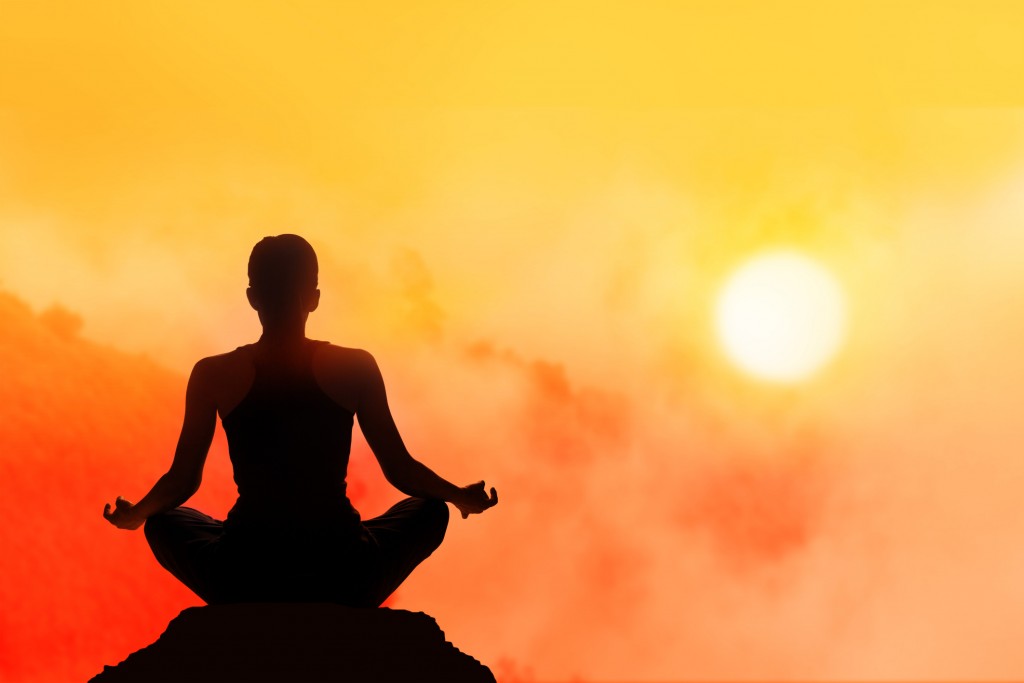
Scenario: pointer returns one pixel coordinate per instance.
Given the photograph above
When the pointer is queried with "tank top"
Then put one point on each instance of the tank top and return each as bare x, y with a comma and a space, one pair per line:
289, 446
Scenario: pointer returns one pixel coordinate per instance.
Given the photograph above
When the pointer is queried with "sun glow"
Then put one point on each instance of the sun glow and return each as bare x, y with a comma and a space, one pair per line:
781, 316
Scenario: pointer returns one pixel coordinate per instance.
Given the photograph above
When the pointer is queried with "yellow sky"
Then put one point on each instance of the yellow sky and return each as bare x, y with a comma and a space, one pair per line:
527, 214
476, 137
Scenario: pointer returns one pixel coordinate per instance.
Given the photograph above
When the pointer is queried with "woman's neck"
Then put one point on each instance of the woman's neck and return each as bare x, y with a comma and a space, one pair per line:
283, 337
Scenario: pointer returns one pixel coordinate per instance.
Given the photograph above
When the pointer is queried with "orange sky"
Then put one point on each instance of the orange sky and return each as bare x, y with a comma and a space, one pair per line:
526, 215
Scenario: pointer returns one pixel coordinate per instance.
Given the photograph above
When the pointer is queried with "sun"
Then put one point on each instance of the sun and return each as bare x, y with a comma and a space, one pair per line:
781, 316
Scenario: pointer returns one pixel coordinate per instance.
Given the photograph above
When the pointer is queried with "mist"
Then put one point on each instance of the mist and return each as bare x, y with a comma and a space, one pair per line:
537, 287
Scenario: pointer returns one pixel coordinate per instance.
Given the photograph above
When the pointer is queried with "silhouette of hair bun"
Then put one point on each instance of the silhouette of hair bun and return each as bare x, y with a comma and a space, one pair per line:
282, 266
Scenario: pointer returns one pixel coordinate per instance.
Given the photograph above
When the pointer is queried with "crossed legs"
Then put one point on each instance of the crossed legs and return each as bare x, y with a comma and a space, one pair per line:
191, 546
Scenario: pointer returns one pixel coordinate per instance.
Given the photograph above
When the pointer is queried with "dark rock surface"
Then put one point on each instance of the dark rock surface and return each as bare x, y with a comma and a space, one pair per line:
298, 643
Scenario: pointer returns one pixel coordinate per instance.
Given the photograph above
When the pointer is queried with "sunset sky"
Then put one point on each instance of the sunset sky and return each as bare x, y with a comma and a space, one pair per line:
527, 215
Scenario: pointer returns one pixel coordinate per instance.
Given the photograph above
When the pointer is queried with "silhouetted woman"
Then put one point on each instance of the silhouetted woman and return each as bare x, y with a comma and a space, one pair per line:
287, 405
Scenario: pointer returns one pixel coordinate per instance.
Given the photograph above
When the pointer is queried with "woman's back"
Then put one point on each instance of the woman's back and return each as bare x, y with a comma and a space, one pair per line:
289, 445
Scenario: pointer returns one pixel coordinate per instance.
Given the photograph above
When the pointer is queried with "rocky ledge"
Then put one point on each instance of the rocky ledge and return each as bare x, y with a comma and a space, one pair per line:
298, 643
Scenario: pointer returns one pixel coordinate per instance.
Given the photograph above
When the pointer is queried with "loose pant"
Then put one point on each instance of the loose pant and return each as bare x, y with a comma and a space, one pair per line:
303, 565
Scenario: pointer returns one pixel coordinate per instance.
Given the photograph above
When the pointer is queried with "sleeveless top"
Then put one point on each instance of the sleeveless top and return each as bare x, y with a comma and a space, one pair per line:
289, 447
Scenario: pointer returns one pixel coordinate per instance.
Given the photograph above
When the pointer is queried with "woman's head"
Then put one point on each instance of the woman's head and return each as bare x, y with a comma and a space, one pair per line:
283, 279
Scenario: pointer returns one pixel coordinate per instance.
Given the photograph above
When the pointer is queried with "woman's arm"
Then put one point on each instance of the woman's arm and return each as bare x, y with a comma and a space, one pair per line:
403, 471
186, 471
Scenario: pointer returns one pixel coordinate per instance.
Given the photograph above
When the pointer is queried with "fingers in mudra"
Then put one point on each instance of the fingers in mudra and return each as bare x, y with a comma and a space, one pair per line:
481, 500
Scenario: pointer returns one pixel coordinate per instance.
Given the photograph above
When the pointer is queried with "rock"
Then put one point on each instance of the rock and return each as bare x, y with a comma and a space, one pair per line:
297, 643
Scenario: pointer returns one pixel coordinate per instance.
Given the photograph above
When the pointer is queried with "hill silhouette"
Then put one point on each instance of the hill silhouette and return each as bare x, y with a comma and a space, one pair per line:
271, 643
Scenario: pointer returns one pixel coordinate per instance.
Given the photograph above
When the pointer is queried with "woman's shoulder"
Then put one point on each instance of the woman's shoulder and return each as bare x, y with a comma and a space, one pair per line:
342, 354
341, 372
226, 357
228, 362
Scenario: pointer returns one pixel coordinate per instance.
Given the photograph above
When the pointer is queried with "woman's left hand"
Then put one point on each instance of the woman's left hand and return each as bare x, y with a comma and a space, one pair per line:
123, 516
473, 499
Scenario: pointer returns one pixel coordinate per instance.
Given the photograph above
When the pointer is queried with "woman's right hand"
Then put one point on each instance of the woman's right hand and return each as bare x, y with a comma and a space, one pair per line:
473, 499
124, 515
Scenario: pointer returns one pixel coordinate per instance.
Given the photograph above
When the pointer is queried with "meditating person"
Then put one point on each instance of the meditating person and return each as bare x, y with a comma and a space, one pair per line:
287, 404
